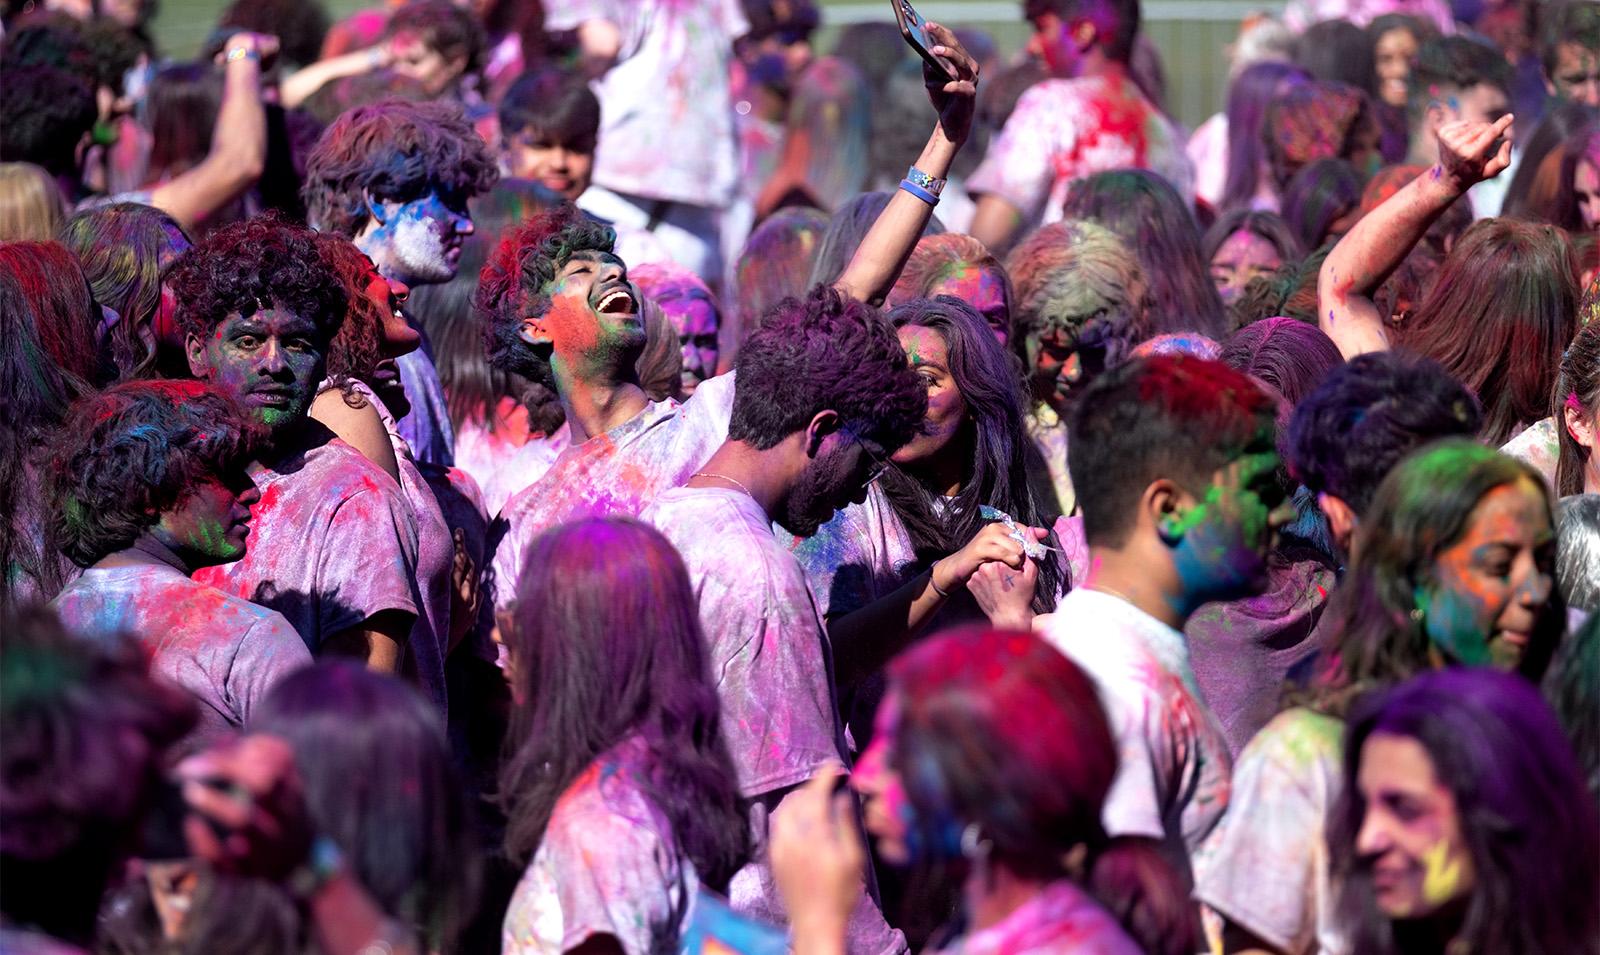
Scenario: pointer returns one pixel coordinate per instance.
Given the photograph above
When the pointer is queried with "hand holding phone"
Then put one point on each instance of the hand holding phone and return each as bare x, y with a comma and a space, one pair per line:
916, 34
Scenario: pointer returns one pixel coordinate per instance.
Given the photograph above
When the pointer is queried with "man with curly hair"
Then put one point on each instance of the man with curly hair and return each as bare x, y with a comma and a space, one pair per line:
149, 486
395, 178
334, 545
825, 398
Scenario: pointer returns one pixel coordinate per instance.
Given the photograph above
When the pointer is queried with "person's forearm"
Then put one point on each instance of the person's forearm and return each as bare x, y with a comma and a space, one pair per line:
346, 921
305, 82
883, 253
238, 151
1368, 253
867, 638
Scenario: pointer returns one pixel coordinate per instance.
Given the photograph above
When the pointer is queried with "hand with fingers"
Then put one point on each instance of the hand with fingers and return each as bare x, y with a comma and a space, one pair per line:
466, 588
262, 47
1471, 152
954, 99
247, 807
993, 543
1005, 594
818, 861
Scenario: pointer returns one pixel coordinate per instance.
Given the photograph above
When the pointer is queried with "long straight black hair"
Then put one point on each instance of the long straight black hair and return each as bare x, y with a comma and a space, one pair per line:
606, 645
991, 386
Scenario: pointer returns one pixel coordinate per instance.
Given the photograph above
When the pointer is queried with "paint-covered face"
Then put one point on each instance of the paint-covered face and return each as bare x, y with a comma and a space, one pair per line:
1489, 588
594, 322
885, 811
1052, 43
1577, 74
947, 411
1243, 256
1395, 51
209, 526
1586, 191
1088, 336
419, 242
983, 289
270, 362
1410, 838
1223, 537
415, 59
562, 167
694, 316
836, 477
396, 338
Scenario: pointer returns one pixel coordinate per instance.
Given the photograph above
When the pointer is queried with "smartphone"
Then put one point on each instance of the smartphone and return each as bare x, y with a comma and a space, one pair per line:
911, 27
162, 837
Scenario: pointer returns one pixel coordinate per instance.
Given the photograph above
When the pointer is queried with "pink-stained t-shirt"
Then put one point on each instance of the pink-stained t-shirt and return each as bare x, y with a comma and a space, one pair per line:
1172, 780
608, 865
1063, 130
225, 651
619, 472
332, 543
862, 554
501, 467
773, 666
1300, 14
1061, 920
1265, 866
1539, 447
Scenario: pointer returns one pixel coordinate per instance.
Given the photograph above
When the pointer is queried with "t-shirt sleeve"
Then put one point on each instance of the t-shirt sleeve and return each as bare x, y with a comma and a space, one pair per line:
1019, 166
1133, 806
614, 877
1258, 868
269, 651
569, 14
369, 562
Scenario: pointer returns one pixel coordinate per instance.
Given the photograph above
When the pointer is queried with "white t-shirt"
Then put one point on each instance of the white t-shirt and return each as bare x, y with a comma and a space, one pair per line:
1172, 781
1265, 866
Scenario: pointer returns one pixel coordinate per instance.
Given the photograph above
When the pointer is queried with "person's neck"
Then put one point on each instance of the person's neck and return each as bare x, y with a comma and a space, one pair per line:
147, 551
1097, 64
1149, 585
945, 473
739, 467
996, 892
596, 405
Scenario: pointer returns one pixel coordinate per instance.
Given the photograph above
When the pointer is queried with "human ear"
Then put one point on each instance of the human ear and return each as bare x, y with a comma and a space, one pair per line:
1167, 505
1084, 35
823, 423
194, 349
1341, 518
1580, 428
375, 210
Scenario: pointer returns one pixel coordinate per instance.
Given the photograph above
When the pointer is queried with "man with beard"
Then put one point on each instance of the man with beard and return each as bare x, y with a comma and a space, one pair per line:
825, 398
395, 178
333, 545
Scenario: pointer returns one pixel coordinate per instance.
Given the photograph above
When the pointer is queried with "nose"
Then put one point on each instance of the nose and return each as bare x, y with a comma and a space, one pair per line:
613, 272
272, 358
400, 290
1534, 590
249, 496
462, 223
1373, 839
562, 158
867, 776
1588, 92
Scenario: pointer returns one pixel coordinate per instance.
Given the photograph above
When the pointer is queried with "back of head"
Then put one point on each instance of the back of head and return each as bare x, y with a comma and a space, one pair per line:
848, 225
380, 781
392, 151
1146, 212
832, 108
1578, 551
260, 263
775, 264
1292, 356
134, 451
1117, 22
1337, 51
126, 249
299, 25
1066, 272
1318, 197
30, 203
1527, 823
826, 352
1501, 312
180, 111
1368, 414
1577, 389
936, 258
1172, 417
86, 731
1447, 66
44, 117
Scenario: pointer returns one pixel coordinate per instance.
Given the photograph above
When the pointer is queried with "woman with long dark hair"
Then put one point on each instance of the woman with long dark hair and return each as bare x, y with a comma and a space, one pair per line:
991, 764
1451, 566
1243, 245
1247, 180
620, 794
1576, 414
889, 568
1464, 823
126, 250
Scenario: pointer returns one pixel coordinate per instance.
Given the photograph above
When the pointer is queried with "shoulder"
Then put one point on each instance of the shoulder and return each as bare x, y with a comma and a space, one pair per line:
1298, 737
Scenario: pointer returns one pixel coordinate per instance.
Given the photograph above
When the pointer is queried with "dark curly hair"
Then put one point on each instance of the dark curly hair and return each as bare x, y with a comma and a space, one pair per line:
444, 27
355, 350
132, 452
1367, 415
394, 151
824, 352
259, 263
86, 731
511, 286
44, 114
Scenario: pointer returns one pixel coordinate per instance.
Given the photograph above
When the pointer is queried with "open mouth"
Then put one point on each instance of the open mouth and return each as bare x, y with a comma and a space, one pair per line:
618, 301
386, 372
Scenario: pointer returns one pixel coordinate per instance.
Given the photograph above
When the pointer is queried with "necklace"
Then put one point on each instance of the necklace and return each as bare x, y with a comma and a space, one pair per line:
721, 477
1114, 593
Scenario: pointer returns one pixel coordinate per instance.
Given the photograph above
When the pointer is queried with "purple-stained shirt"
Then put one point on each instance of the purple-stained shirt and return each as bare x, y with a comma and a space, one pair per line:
225, 651
619, 472
1065, 129
1060, 920
609, 864
426, 428
332, 542
1174, 763
770, 658
862, 554
502, 468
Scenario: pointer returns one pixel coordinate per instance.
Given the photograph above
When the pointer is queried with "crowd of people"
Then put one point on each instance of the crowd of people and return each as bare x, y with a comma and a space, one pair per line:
537, 476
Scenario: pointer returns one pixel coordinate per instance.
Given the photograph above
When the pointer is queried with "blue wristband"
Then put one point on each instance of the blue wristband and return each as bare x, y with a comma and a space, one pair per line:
919, 192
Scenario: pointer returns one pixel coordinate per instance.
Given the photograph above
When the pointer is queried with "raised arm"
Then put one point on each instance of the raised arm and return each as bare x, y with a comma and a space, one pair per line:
883, 253
300, 86
238, 141
1363, 259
